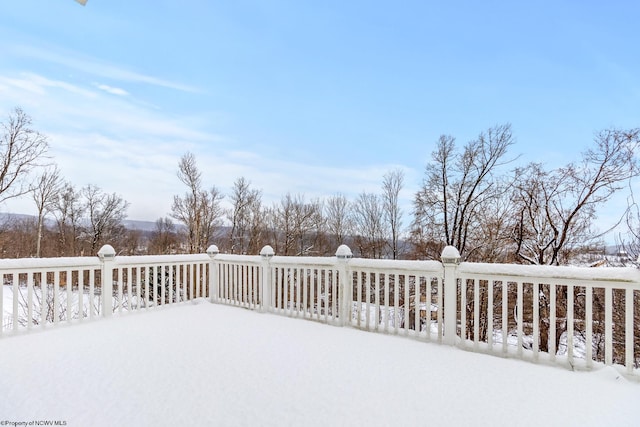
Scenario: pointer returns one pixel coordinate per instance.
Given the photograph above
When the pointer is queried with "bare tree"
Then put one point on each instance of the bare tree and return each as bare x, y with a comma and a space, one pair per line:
629, 240
68, 211
105, 214
297, 225
211, 214
164, 239
186, 209
199, 210
244, 215
367, 220
130, 241
391, 186
338, 221
495, 224
45, 194
21, 149
308, 223
17, 239
272, 229
257, 227
283, 225
556, 208
457, 186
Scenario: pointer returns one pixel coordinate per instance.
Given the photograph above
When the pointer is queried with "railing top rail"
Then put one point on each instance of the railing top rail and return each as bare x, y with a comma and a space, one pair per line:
304, 260
249, 259
564, 273
160, 259
390, 264
7, 265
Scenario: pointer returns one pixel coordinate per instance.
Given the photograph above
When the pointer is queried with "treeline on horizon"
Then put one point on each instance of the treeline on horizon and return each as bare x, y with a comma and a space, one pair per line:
471, 197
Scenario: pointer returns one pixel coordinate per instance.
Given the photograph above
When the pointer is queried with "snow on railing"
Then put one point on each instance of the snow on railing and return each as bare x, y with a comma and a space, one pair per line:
398, 297
305, 287
294, 286
37, 292
572, 316
48, 290
579, 317
236, 281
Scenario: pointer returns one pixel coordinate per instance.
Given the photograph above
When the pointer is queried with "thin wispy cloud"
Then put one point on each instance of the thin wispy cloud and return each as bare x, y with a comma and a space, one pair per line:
86, 64
44, 82
74, 104
112, 90
133, 150
10, 85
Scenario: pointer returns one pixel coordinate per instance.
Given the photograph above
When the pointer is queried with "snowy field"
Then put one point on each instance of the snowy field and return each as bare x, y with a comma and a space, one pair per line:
204, 364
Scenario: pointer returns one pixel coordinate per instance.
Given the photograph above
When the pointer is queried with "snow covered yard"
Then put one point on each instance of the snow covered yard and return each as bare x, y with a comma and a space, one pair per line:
205, 364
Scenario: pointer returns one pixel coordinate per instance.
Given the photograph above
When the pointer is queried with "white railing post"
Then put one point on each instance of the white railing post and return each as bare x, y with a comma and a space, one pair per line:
266, 253
450, 260
107, 255
343, 255
212, 251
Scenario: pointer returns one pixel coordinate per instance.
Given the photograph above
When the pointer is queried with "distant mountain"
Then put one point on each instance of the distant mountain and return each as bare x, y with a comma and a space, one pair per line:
6, 216
130, 224
133, 224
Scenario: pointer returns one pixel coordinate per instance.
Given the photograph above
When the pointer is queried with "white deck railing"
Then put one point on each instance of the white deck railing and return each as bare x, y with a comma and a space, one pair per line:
39, 292
591, 314
585, 315
577, 317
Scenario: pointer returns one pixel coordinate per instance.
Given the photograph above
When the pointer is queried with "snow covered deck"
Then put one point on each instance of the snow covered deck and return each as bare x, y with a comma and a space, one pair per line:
208, 364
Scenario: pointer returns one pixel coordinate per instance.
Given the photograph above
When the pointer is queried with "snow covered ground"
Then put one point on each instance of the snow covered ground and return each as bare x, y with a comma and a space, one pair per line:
204, 364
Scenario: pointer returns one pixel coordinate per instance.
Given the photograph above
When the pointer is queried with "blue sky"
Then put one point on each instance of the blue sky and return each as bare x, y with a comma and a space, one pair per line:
308, 97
